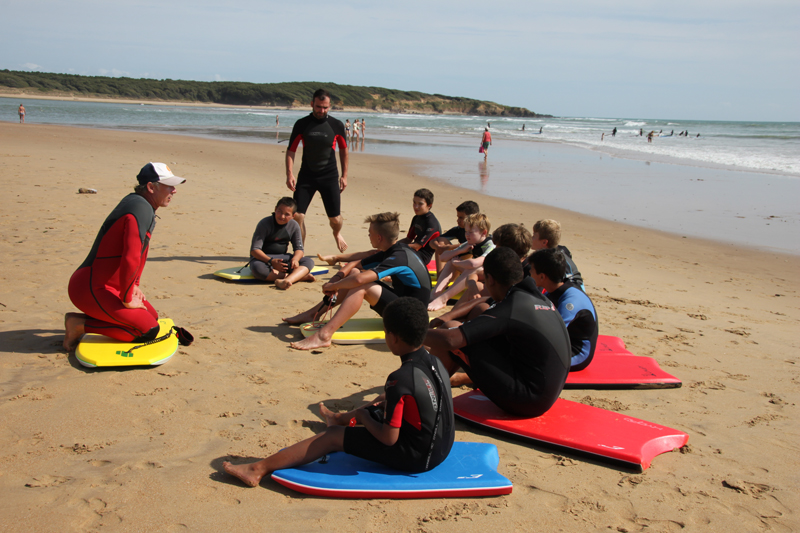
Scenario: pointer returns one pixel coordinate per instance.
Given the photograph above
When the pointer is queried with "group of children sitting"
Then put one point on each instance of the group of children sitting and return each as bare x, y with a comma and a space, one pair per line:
504, 334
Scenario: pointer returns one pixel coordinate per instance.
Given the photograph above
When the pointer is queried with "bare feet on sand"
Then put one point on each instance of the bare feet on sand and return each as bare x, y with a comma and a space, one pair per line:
331, 418
246, 473
283, 284
460, 378
311, 343
302, 318
437, 303
309, 278
340, 242
330, 259
73, 330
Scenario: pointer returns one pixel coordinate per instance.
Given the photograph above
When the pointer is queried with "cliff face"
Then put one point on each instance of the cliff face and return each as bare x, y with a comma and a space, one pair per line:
289, 94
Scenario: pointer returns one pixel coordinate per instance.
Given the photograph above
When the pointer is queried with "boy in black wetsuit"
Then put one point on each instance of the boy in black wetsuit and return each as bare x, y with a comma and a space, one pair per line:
424, 226
409, 427
360, 280
518, 351
270, 260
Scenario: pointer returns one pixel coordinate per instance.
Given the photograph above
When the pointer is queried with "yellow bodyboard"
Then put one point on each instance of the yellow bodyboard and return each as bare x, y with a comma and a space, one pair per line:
245, 274
99, 350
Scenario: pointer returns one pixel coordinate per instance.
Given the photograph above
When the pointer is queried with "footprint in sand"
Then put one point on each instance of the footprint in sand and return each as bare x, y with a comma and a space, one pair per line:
48, 481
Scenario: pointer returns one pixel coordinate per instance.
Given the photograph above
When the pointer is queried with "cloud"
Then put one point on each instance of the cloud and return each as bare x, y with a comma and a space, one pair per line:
114, 72
31, 66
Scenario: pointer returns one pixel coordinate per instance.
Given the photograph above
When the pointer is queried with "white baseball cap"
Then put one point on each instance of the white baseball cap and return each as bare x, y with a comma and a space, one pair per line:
158, 172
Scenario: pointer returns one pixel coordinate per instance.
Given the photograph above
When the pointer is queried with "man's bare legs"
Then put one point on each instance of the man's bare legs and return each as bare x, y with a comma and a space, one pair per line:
73, 330
336, 226
300, 218
350, 305
329, 441
345, 258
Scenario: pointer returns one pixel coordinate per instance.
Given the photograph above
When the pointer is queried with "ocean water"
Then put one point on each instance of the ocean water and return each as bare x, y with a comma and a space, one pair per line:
737, 182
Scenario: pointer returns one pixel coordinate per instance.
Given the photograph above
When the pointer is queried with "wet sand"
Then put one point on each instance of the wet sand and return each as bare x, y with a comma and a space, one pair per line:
142, 449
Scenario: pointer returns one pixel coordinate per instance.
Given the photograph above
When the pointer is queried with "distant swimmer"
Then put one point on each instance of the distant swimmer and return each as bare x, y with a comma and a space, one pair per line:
21, 112
347, 130
698, 135
614, 132
277, 121
486, 140
320, 135
640, 132
488, 124
650, 136
106, 285
523, 127
540, 130
363, 129
602, 136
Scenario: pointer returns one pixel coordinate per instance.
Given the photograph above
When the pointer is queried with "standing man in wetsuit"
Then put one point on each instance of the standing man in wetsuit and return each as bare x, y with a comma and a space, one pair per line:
106, 286
518, 351
320, 134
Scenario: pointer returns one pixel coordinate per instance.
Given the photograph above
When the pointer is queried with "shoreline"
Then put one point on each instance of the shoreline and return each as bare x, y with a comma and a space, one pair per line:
86, 449
750, 218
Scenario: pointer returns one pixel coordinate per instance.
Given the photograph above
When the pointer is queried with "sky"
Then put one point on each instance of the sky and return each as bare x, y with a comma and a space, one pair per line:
697, 60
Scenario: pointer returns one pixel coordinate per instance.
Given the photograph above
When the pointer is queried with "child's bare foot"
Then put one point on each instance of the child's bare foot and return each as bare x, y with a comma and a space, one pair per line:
331, 418
246, 473
283, 284
330, 259
437, 303
460, 378
302, 318
311, 343
73, 330
309, 278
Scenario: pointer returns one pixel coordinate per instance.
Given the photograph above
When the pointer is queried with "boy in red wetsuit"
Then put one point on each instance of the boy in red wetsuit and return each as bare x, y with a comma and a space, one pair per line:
409, 427
106, 285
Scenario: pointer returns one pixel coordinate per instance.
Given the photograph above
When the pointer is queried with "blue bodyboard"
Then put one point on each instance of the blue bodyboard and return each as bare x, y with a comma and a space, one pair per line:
470, 470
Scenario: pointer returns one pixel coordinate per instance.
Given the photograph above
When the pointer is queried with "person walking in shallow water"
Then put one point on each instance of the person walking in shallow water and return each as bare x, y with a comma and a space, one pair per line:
486, 140
21, 112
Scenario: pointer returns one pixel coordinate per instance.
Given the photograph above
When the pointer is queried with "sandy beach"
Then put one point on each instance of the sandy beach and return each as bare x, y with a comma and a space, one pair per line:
142, 449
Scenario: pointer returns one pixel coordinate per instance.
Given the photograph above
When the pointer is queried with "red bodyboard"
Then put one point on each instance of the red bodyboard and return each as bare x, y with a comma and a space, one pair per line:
577, 427
609, 344
620, 371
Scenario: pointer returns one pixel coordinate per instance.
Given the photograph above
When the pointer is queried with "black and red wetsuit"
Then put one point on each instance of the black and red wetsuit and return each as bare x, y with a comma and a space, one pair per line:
424, 229
414, 393
111, 271
318, 170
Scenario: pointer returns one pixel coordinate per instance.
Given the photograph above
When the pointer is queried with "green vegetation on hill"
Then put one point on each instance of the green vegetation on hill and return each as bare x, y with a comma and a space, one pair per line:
253, 94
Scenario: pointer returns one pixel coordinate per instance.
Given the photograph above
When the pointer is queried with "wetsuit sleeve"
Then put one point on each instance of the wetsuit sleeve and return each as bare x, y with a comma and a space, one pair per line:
452, 233
340, 137
297, 135
432, 231
372, 261
263, 228
133, 256
580, 329
412, 233
482, 328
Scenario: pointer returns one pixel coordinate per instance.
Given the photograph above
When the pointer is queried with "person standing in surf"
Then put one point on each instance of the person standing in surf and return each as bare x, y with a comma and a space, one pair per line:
320, 135
486, 140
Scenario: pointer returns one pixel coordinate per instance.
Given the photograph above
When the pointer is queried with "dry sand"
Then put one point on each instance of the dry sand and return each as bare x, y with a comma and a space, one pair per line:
142, 449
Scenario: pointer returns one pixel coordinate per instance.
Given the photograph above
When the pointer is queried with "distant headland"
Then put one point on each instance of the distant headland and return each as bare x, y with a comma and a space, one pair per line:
280, 95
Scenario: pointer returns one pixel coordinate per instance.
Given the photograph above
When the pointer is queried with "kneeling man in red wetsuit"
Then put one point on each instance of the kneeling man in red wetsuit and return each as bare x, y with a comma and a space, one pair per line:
106, 286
